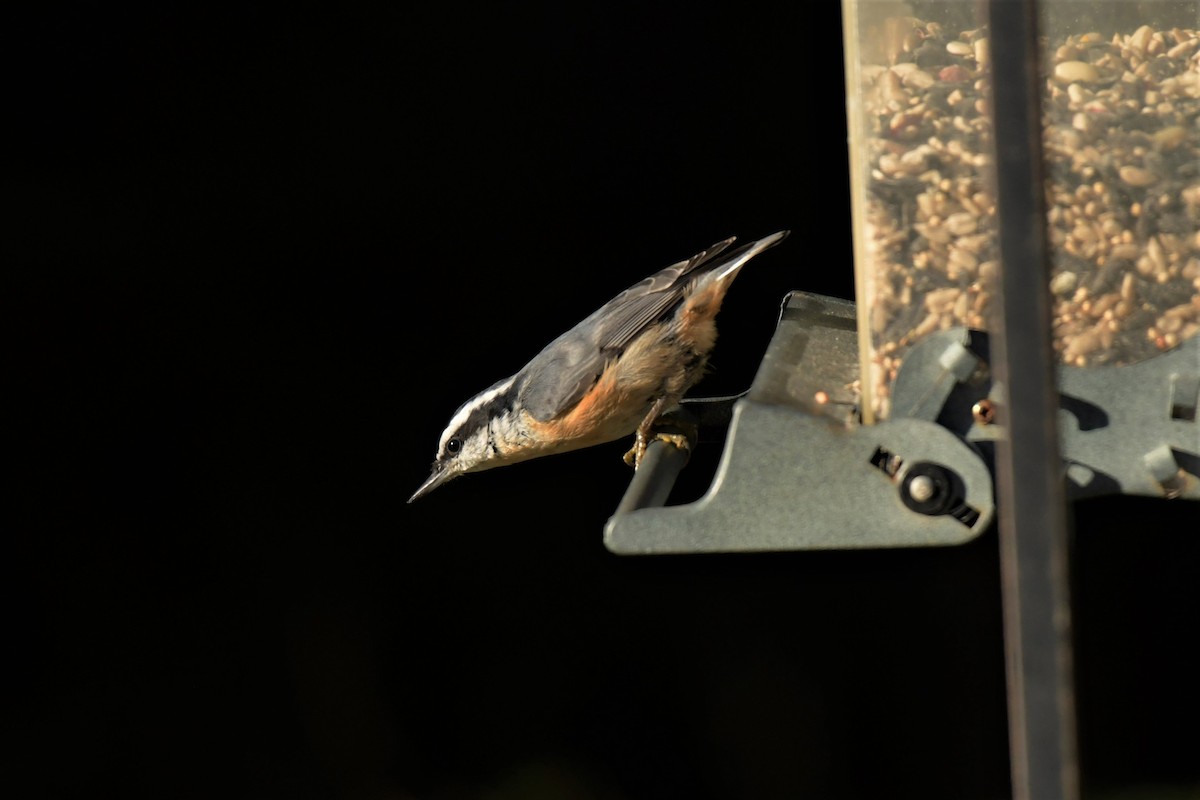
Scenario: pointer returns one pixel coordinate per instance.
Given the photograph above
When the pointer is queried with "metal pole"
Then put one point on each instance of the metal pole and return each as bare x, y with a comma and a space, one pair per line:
1032, 511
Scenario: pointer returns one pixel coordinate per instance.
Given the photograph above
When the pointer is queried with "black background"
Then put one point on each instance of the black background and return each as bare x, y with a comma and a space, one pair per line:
262, 255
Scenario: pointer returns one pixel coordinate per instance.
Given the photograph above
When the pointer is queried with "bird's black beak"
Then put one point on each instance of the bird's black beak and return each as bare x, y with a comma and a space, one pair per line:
436, 478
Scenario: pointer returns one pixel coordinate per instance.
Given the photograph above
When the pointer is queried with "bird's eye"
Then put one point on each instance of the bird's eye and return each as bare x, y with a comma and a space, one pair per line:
453, 446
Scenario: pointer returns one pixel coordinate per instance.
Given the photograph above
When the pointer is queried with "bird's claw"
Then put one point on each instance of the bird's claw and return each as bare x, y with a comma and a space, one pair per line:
636, 453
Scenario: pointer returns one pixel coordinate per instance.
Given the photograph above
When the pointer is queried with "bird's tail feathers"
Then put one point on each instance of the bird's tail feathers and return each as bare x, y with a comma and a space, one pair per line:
726, 267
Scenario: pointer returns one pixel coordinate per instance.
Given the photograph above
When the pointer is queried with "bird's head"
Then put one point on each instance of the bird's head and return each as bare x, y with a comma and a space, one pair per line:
473, 440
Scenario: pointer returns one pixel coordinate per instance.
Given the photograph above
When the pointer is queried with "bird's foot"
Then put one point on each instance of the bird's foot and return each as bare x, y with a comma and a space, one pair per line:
636, 453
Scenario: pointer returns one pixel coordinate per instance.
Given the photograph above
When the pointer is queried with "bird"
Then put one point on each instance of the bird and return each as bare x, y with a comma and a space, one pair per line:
615, 373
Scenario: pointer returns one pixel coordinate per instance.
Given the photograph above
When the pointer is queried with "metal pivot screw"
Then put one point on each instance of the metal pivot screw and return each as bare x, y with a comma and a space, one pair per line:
984, 412
922, 488
927, 489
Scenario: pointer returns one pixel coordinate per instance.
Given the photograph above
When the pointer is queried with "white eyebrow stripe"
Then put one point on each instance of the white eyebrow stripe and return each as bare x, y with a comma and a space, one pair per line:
470, 406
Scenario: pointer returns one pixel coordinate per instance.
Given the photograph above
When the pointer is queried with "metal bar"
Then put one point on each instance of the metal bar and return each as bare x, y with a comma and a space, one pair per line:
654, 479
1032, 511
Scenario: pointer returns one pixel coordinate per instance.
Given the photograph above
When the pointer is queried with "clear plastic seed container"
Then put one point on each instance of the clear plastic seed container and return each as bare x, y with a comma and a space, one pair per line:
1121, 116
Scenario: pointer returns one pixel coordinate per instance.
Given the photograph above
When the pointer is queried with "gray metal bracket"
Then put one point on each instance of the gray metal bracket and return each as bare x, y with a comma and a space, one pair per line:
1133, 429
1130, 429
799, 473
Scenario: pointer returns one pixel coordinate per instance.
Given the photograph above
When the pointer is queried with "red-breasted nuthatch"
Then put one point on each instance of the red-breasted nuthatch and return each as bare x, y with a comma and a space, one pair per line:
611, 375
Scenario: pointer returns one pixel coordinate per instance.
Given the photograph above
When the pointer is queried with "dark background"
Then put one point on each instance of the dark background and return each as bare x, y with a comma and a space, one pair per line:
261, 256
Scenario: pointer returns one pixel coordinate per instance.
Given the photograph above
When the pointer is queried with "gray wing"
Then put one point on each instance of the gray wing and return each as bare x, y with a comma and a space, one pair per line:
564, 371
